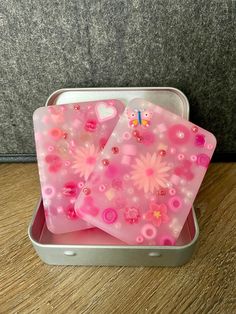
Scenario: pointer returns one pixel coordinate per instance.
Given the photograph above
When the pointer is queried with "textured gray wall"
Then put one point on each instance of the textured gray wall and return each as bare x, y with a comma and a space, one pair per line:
47, 45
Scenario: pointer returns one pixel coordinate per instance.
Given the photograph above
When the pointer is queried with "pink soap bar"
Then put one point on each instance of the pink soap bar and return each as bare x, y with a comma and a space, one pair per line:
69, 139
147, 177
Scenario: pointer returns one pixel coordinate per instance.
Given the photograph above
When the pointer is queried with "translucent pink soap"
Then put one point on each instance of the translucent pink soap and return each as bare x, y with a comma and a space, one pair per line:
147, 177
69, 139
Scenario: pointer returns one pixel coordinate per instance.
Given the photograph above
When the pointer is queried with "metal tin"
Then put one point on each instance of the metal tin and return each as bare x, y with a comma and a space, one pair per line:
93, 246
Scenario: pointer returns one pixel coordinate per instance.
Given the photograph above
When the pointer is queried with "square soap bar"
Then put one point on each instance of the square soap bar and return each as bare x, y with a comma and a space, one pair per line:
68, 140
147, 176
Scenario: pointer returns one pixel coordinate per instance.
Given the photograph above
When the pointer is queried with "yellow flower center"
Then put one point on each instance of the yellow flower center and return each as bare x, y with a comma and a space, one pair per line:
157, 214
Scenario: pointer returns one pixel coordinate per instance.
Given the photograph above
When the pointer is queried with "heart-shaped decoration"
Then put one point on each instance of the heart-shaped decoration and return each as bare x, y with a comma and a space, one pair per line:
105, 111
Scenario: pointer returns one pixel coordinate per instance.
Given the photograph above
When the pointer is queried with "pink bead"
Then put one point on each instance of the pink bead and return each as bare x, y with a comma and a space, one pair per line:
86, 191
195, 129
105, 162
135, 133
162, 152
115, 150
77, 107
167, 240
161, 192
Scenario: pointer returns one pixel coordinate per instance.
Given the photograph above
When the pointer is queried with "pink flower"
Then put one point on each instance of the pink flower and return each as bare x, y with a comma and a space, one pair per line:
150, 173
85, 159
200, 140
91, 125
157, 214
70, 189
132, 215
184, 170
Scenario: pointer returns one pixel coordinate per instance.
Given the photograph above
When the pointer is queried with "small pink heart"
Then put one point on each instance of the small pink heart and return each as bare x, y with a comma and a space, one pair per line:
105, 112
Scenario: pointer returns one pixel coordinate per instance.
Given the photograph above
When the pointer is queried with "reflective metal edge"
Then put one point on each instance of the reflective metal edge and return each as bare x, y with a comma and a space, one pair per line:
114, 255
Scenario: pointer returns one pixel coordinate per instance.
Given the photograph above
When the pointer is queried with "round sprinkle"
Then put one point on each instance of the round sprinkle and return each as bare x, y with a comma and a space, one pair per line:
149, 231
102, 188
175, 203
109, 215
181, 156
193, 158
81, 184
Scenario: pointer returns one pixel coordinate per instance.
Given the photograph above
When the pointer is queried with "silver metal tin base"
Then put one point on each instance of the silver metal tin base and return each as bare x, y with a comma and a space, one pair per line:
93, 246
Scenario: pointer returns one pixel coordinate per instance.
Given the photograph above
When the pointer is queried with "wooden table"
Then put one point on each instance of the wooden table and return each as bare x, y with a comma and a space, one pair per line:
205, 285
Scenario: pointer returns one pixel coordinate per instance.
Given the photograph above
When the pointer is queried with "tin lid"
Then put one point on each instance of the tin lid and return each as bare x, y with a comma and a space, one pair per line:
169, 98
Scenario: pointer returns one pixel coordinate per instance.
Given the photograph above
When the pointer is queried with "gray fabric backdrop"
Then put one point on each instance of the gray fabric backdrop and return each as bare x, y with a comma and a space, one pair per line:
47, 45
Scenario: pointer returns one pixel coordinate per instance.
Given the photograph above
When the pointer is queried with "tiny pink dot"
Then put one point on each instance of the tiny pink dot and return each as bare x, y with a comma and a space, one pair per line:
81, 185
139, 239
50, 148
181, 156
172, 191
209, 146
67, 163
102, 188
193, 157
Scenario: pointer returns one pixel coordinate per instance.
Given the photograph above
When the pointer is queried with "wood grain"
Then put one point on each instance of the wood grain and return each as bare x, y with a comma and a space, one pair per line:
205, 285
